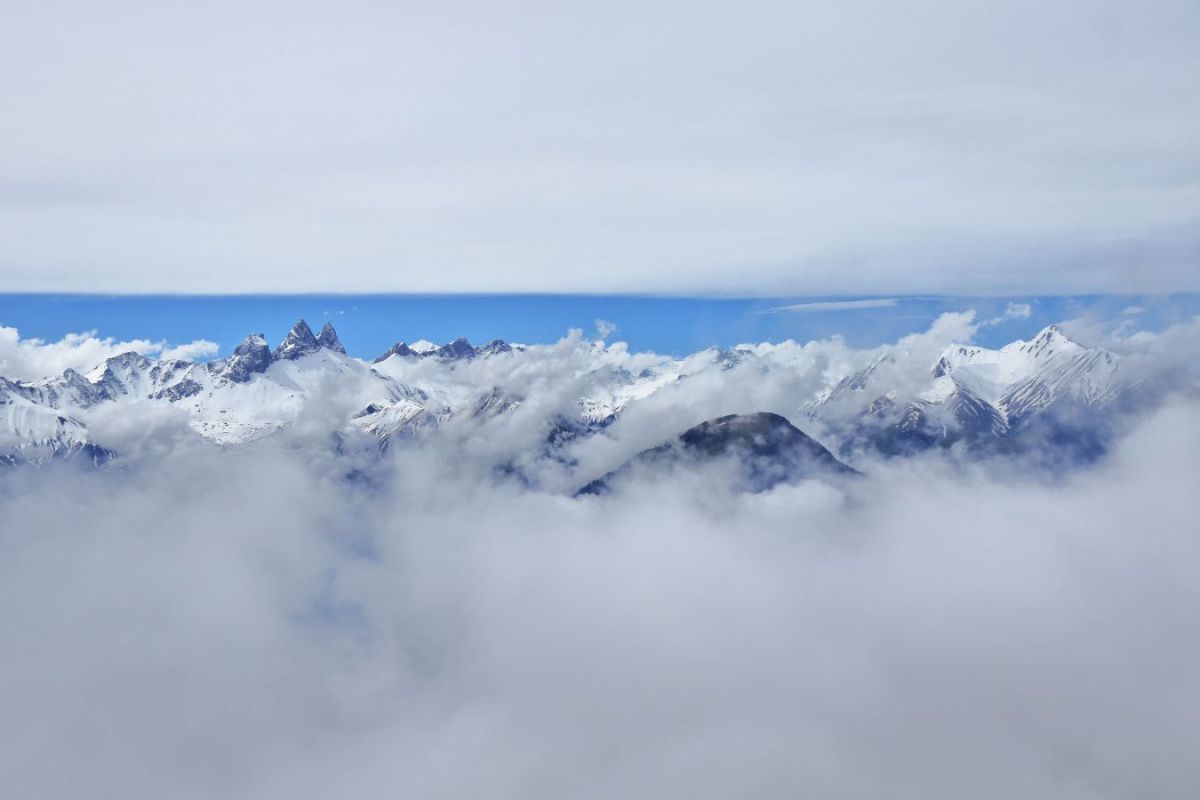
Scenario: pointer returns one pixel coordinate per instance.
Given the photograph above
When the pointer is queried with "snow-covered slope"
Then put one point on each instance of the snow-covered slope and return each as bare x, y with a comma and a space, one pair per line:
32, 432
974, 393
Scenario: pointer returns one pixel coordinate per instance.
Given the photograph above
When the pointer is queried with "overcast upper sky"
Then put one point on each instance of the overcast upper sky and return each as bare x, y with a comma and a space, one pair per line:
749, 148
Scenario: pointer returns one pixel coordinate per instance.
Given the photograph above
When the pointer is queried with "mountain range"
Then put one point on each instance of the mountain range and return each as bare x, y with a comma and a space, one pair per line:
1030, 392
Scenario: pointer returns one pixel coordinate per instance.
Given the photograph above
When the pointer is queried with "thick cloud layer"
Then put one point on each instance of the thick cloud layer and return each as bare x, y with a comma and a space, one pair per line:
772, 147
250, 625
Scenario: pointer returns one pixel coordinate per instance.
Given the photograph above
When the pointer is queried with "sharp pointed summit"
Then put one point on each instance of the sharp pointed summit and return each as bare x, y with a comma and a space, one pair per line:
250, 357
459, 348
1050, 340
328, 339
299, 342
398, 349
493, 348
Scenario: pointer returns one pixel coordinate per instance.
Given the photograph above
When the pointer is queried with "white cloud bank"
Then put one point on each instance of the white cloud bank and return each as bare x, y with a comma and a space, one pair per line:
249, 627
247, 624
790, 148
197, 350
28, 359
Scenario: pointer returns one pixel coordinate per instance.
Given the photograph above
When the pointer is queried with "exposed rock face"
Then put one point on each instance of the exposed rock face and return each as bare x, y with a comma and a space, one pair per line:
398, 349
495, 403
252, 356
493, 348
452, 351
328, 339
764, 449
119, 375
459, 348
176, 392
299, 342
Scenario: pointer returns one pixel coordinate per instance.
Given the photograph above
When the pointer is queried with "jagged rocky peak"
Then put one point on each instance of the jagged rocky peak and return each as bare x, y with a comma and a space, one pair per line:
328, 339
495, 403
299, 342
252, 342
73, 378
129, 358
122, 361
115, 371
1049, 340
459, 348
494, 347
955, 356
251, 356
398, 349
68, 388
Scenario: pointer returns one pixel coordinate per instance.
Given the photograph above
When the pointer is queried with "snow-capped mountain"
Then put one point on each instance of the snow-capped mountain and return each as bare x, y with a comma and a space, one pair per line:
31, 431
458, 349
566, 393
973, 394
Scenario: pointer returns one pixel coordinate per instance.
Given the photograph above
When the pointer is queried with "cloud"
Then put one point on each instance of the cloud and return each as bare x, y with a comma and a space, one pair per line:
1012, 311
604, 329
1018, 311
292, 619
28, 359
1134, 310
330, 640
35, 358
836, 305
812, 155
192, 351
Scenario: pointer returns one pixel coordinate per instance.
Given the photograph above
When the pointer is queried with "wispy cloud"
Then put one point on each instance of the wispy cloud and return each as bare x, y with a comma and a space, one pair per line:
1018, 311
605, 328
1012, 311
835, 305
192, 351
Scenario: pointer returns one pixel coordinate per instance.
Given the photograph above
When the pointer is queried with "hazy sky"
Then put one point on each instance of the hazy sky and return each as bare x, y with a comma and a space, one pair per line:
781, 148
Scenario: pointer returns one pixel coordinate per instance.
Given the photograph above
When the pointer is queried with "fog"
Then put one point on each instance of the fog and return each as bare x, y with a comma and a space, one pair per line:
250, 624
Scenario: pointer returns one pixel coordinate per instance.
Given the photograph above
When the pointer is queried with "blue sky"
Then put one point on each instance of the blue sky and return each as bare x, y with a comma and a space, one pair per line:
369, 324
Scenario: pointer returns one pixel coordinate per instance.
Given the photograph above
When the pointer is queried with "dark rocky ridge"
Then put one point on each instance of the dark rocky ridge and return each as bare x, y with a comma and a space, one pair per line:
328, 339
253, 355
766, 449
299, 342
457, 350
